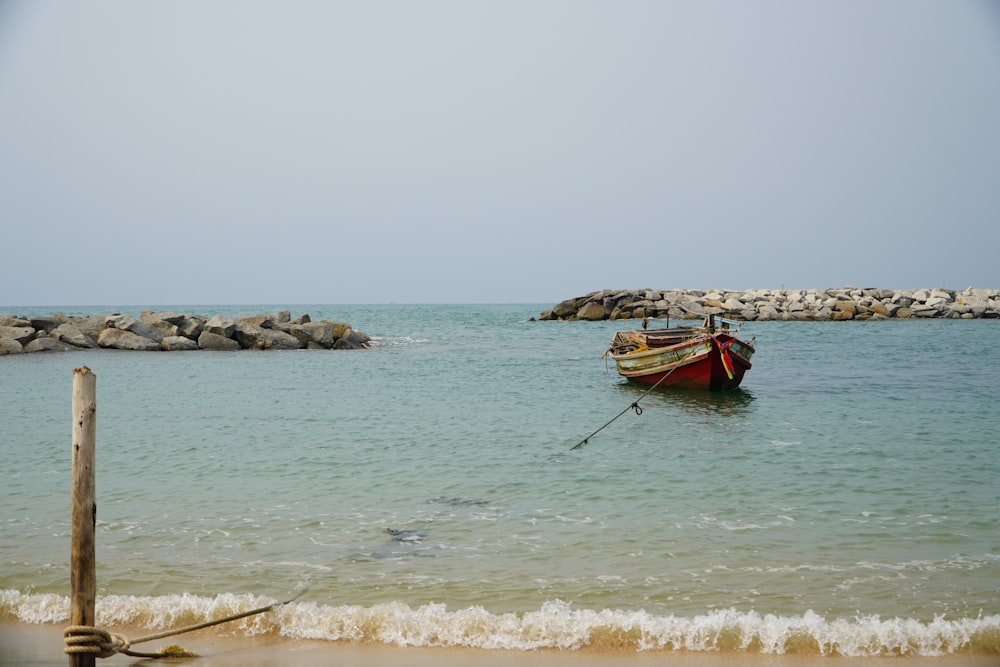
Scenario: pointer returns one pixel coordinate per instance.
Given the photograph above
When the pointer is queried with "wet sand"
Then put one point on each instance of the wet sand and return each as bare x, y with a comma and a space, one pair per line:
23, 645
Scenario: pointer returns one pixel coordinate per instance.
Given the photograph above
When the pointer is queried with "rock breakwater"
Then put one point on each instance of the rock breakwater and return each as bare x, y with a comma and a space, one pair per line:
157, 331
845, 303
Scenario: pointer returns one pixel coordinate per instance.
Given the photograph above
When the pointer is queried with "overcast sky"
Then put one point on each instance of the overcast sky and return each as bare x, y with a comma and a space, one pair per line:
242, 152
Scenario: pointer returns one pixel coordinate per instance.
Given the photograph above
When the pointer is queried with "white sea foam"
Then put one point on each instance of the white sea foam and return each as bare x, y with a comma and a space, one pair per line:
555, 625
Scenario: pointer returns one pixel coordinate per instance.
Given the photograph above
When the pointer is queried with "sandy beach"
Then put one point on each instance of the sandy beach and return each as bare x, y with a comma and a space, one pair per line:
41, 645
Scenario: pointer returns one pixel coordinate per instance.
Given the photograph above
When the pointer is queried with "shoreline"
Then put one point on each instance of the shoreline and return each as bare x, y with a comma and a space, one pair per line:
41, 645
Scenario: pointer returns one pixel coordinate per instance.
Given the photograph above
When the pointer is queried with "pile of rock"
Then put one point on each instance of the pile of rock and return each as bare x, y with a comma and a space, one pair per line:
174, 331
846, 303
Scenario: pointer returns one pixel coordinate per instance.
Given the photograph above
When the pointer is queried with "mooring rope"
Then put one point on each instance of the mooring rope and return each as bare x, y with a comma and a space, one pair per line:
86, 639
633, 406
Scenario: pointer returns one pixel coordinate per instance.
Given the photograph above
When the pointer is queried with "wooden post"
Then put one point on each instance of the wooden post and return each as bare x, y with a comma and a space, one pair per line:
82, 573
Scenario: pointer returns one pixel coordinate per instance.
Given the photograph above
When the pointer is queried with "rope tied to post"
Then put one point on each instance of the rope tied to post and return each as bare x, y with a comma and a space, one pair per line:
88, 640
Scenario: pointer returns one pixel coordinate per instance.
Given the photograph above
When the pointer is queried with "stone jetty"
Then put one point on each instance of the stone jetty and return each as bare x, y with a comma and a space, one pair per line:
156, 331
845, 303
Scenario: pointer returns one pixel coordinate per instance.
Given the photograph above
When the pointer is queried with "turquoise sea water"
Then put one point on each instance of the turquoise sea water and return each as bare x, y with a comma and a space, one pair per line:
843, 501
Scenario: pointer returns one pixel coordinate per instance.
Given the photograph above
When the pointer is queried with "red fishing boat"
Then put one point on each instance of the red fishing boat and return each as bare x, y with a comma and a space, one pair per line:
707, 357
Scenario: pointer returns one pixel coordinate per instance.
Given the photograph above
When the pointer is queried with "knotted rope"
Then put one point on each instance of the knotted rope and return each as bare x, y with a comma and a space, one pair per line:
88, 640
633, 406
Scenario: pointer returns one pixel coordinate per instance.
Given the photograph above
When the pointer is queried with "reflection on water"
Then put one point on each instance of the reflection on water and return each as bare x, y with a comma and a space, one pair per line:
734, 402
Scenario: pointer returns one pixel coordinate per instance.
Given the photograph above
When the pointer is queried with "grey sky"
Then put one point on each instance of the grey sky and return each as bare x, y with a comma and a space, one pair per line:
509, 151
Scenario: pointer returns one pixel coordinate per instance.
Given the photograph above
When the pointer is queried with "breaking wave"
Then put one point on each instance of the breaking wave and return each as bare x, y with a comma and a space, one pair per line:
554, 625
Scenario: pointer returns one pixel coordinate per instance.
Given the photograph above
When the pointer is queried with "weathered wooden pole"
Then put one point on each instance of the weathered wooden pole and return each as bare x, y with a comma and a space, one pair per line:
82, 572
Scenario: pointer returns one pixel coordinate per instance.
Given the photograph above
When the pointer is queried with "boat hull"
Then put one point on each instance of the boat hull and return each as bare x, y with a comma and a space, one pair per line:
699, 362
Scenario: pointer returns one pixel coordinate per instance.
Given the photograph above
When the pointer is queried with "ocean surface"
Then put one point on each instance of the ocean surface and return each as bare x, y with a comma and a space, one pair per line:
844, 501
